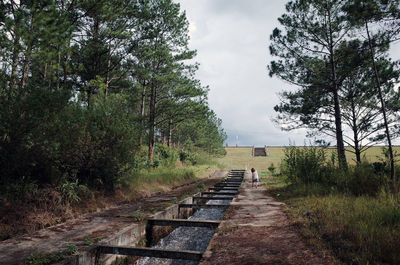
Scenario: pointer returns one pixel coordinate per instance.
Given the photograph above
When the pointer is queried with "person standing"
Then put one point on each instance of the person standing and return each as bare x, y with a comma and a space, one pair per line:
254, 177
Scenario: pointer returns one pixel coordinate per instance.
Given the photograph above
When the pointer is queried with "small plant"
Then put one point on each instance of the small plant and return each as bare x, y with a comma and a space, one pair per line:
72, 191
89, 241
138, 215
216, 247
45, 259
201, 187
272, 168
72, 249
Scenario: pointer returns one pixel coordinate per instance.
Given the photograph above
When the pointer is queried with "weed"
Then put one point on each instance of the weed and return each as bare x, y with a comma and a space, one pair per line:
272, 169
138, 215
88, 241
71, 249
216, 247
201, 186
44, 259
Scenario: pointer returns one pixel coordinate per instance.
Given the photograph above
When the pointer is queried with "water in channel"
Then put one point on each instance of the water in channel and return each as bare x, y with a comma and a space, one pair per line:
188, 238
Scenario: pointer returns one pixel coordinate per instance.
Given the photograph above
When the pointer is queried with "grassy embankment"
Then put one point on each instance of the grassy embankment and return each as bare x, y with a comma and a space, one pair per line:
357, 229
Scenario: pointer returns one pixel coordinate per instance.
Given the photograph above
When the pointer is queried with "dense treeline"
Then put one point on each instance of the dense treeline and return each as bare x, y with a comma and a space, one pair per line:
85, 85
336, 53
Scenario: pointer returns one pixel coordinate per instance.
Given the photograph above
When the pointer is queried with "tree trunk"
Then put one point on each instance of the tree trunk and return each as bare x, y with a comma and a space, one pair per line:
152, 119
383, 108
108, 73
339, 132
355, 132
169, 133
142, 112
58, 69
15, 62
27, 61
335, 90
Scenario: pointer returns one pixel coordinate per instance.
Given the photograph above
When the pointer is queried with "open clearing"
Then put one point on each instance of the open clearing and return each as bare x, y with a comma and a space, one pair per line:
240, 157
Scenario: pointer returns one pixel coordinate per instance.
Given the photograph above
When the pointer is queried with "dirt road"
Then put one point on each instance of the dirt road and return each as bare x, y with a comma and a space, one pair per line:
257, 231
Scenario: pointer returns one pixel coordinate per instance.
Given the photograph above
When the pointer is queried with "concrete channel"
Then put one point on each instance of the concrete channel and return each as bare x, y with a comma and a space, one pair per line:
129, 241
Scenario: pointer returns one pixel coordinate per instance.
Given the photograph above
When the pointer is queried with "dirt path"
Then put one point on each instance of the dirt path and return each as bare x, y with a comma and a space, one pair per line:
257, 231
86, 230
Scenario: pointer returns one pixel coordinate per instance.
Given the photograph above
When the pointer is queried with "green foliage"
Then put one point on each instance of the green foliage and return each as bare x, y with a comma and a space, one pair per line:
44, 259
362, 179
161, 175
72, 191
309, 168
76, 84
201, 187
359, 230
272, 168
166, 156
71, 145
186, 156
138, 215
306, 165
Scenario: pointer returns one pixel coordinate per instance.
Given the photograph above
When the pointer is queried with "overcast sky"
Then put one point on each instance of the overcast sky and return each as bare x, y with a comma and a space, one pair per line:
232, 38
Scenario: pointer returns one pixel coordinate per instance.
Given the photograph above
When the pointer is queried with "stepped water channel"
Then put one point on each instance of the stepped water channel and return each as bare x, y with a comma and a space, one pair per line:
187, 242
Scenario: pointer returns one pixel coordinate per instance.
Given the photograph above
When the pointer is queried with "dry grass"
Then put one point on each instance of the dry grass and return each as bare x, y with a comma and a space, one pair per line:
151, 181
239, 158
46, 209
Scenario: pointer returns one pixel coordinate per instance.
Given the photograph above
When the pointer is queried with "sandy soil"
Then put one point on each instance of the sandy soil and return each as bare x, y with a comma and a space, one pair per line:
257, 231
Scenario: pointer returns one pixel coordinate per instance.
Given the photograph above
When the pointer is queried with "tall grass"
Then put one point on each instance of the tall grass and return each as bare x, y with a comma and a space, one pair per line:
312, 165
167, 176
359, 230
354, 212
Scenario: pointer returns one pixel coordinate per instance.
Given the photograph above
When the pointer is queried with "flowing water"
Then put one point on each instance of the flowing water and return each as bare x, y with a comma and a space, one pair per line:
188, 238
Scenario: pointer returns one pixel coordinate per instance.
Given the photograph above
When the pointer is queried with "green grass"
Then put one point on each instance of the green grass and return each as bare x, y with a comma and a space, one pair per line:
357, 229
238, 158
148, 181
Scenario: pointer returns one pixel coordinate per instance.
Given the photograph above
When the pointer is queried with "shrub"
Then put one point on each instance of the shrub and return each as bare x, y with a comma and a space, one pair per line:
306, 165
272, 168
166, 156
187, 156
56, 137
72, 192
310, 165
363, 179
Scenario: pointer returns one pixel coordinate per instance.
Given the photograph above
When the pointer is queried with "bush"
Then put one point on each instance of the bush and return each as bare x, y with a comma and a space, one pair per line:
47, 138
306, 165
166, 156
310, 165
272, 168
72, 192
363, 179
187, 156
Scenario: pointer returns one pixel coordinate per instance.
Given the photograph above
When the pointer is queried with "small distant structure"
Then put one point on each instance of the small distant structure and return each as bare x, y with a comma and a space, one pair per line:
260, 151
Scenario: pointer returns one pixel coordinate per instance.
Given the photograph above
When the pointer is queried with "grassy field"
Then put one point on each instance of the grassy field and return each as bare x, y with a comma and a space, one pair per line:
355, 228
238, 158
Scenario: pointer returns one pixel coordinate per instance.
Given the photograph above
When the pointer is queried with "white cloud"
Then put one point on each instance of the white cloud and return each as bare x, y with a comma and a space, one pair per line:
232, 39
